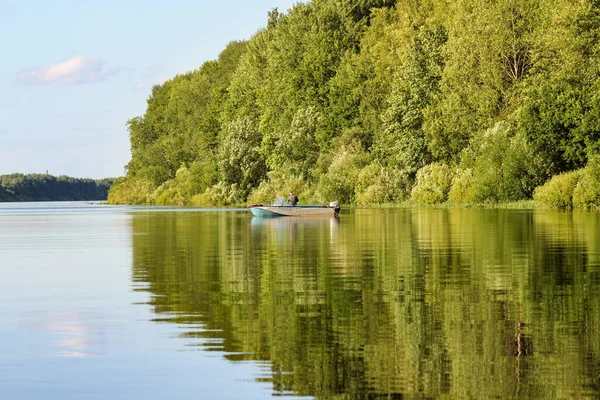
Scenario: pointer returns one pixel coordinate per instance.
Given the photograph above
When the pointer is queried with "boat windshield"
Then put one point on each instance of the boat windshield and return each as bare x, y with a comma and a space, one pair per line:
279, 201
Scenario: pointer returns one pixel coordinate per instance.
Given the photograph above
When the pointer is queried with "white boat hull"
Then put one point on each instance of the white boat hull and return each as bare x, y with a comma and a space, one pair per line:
294, 211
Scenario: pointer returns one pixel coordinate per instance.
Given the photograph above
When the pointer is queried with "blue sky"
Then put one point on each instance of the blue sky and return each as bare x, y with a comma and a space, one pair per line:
73, 72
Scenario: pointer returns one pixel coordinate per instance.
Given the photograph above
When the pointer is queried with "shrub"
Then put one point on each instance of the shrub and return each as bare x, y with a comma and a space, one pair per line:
587, 192
498, 167
380, 185
462, 189
202, 199
433, 184
130, 191
203, 173
223, 194
175, 191
557, 192
341, 178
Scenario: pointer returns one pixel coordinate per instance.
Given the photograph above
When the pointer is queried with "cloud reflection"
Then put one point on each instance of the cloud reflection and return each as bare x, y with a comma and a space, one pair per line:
70, 335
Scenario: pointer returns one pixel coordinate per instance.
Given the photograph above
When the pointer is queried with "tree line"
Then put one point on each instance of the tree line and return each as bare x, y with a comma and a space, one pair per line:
44, 187
383, 101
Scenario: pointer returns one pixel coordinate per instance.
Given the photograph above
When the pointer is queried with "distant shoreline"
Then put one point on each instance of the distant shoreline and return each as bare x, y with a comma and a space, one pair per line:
19, 187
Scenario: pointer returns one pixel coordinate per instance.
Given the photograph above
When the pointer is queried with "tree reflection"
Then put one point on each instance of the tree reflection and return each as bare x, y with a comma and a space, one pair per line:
452, 303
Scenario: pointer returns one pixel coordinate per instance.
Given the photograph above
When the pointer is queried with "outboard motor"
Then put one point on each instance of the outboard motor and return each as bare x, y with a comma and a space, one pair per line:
336, 206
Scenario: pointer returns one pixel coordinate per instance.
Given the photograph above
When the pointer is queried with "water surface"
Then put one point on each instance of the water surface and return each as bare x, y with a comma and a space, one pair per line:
145, 302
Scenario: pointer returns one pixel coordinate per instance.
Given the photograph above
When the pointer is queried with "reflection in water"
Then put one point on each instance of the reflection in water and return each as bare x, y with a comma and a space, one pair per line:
286, 230
74, 336
386, 303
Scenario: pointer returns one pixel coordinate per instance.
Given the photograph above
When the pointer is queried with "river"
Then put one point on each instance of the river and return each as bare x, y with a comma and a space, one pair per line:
115, 302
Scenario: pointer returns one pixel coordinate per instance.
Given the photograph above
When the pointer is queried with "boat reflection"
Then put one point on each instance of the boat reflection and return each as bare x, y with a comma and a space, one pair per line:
258, 222
290, 228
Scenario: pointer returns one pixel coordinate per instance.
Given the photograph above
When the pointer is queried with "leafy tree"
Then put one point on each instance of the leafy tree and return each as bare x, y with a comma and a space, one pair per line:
559, 109
131, 191
486, 59
239, 159
498, 166
403, 143
297, 151
304, 52
550, 118
358, 91
432, 185
182, 120
382, 185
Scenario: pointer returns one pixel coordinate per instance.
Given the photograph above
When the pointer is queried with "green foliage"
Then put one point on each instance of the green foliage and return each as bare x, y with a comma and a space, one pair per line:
222, 194
202, 174
587, 192
433, 184
589, 131
558, 191
463, 189
403, 143
176, 191
498, 166
487, 57
247, 82
266, 192
382, 185
131, 191
239, 159
559, 107
44, 187
297, 151
550, 118
181, 123
349, 100
304, 51
359, 91
280, 184
341, 178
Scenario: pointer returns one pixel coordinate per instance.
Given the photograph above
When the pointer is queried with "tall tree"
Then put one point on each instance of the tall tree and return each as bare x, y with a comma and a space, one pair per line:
402, 143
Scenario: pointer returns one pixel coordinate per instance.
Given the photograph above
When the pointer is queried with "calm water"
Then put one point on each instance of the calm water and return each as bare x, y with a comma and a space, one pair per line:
100, 302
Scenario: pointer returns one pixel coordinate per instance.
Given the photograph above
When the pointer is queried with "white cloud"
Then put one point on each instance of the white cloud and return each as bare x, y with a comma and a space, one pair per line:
73, 71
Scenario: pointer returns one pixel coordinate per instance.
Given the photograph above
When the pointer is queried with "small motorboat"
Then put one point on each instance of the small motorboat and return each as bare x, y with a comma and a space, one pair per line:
281, 209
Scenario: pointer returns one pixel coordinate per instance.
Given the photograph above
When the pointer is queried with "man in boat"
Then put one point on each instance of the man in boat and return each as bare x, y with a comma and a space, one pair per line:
292, 199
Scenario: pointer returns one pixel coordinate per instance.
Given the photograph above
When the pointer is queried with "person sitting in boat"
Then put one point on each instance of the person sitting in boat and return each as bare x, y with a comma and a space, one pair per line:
292, 199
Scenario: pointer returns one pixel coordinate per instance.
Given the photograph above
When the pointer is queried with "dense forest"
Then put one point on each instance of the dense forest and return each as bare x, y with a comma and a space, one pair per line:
44, 187
383, 101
